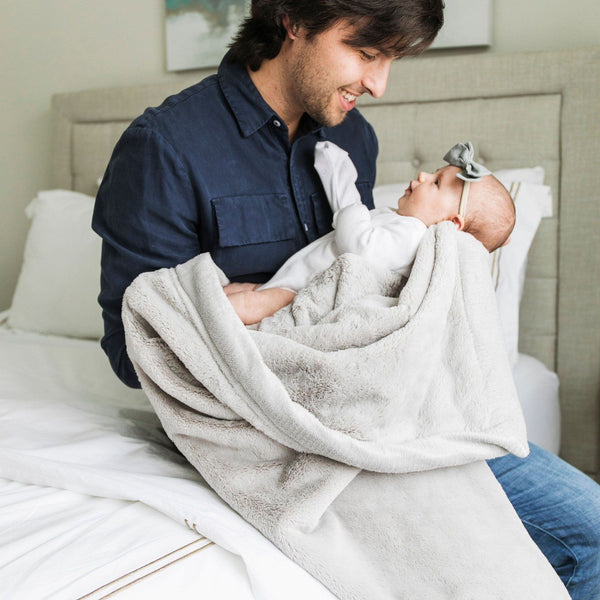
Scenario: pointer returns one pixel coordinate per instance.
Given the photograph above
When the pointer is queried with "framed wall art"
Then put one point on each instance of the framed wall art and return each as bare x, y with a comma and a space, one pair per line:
198, 31
466, 23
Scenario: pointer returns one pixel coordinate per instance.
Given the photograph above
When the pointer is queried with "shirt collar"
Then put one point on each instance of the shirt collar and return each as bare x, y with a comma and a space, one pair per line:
248, 106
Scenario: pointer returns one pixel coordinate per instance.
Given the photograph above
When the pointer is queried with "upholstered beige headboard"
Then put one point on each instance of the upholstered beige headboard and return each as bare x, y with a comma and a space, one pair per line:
519, 110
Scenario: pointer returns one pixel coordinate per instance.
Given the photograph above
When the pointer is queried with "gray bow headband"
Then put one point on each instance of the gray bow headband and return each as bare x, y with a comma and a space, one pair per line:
461, 155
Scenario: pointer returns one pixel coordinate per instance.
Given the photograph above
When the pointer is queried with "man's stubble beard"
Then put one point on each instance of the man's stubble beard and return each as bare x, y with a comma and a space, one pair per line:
315, 99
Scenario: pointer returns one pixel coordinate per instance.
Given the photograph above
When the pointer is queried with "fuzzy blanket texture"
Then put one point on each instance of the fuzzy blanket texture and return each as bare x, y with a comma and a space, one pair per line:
351, 428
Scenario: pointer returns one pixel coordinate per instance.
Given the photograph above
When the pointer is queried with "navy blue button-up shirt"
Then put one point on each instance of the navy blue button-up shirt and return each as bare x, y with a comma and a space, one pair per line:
212, 170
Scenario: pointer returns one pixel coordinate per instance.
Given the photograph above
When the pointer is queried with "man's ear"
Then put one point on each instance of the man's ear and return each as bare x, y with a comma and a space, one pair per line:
292, 30
459, 222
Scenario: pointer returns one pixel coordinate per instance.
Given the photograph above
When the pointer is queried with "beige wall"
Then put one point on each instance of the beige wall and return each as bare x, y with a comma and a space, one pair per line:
51, 46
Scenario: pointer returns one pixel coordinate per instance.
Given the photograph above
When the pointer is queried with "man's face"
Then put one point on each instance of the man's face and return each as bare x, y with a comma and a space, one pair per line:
327, 75
432, 197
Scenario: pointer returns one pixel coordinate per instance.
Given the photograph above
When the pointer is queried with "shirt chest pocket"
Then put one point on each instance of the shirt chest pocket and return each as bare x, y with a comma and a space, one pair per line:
254, 233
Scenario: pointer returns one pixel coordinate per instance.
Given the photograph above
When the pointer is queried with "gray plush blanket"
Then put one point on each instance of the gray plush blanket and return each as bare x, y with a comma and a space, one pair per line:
351, 428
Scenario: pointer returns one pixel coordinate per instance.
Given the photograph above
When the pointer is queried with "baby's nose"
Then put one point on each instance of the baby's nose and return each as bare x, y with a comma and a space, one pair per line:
420, 179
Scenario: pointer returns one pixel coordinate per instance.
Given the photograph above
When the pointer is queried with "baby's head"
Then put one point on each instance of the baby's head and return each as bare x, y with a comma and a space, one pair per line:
480, 205
489, 213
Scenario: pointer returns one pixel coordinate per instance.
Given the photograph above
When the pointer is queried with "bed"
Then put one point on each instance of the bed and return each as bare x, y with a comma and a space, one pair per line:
88, 476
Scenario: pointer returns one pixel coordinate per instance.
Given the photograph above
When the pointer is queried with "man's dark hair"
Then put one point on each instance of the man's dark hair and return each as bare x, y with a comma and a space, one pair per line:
395, 27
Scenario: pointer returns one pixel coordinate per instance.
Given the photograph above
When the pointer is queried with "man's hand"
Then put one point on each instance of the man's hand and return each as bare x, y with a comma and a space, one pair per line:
234, 288
253, 306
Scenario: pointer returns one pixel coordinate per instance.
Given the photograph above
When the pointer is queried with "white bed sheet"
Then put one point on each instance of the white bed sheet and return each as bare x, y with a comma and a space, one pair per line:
67, 423
61, 544
94, 492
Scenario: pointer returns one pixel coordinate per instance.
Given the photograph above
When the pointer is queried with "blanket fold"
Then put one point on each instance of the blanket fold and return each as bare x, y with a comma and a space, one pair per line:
351, 427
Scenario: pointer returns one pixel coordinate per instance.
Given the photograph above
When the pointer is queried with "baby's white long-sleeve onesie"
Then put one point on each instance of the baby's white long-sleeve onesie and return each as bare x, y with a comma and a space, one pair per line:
381, 235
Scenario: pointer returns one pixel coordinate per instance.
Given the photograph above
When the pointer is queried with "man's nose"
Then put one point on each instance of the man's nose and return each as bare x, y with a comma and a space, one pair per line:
376, 76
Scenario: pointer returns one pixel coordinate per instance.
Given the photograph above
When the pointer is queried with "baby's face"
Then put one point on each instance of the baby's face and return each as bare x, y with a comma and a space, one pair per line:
432, 197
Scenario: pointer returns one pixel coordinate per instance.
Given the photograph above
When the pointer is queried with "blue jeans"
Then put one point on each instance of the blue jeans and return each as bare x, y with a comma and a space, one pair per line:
560, 508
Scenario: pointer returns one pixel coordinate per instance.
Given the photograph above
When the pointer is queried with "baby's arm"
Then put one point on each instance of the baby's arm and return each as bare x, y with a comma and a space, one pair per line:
338, 175
354, 230
252, 306
389, 241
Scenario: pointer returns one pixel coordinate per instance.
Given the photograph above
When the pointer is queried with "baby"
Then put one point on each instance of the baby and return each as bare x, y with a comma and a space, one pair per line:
387, 237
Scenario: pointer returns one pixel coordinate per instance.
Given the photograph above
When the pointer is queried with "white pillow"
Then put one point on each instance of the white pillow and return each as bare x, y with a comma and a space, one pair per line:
538, 392
507, 264
526, 175
59, 282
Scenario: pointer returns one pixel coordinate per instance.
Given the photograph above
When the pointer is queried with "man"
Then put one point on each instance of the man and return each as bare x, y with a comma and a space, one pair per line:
226, 166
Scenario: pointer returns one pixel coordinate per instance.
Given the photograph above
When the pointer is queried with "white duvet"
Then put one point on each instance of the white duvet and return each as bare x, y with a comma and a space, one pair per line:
68, 423
57, 544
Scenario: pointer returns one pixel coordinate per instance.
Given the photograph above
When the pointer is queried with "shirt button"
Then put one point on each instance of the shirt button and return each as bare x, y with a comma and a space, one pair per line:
416, 162
276, 123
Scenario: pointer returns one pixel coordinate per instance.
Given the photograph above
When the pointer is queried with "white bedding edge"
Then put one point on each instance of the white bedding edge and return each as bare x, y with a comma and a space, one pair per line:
62, 545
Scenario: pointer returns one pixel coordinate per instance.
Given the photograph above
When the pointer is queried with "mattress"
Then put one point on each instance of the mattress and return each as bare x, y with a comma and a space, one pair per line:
96, 502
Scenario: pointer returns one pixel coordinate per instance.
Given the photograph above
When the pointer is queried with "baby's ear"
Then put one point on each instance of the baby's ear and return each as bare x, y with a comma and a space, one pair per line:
459, 222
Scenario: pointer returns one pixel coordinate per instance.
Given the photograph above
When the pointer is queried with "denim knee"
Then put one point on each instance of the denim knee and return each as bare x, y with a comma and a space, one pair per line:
587, 545
560, 508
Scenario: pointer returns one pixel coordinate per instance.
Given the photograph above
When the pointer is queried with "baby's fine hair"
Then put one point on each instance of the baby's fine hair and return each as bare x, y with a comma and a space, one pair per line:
490, 212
